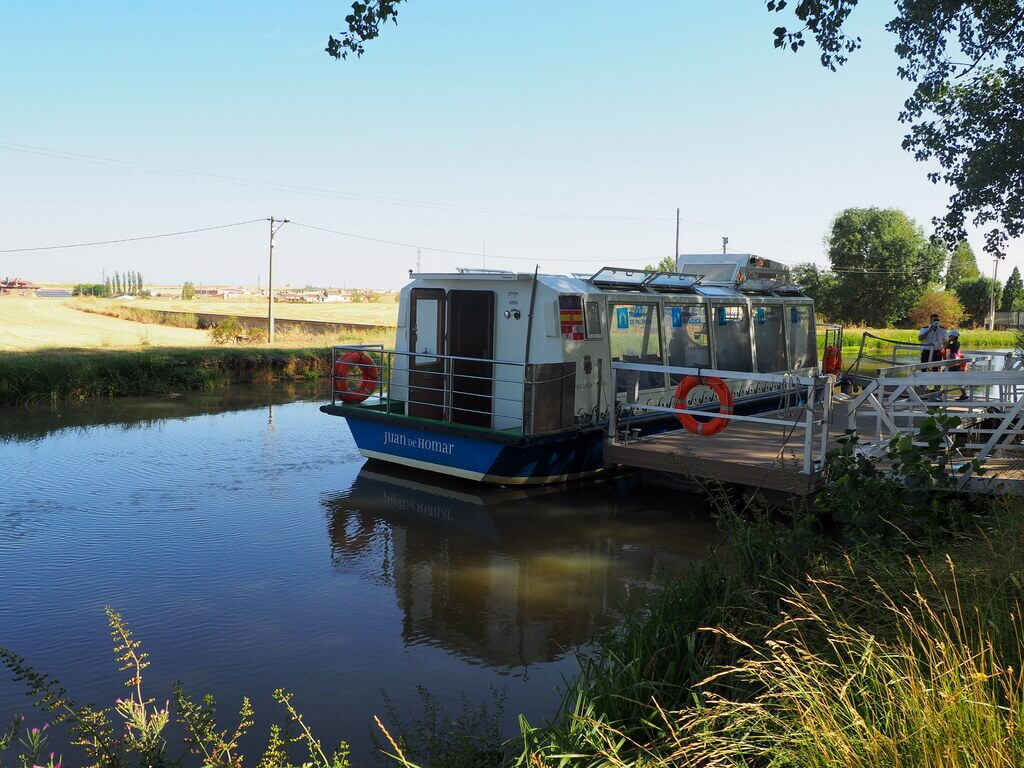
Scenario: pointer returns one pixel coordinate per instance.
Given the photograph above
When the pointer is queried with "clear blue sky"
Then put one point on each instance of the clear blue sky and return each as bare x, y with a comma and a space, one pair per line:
563, 134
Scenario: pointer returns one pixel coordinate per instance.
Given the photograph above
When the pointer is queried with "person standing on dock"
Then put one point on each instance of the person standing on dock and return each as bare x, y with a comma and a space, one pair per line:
952, 352
932, 338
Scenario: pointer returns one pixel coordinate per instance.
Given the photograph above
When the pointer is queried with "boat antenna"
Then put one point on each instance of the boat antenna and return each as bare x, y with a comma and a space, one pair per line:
675, 253
529, 316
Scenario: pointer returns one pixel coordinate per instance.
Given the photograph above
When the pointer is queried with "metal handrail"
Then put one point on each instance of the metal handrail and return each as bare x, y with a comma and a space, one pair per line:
815, 428
408, 353
386, 366
974, 434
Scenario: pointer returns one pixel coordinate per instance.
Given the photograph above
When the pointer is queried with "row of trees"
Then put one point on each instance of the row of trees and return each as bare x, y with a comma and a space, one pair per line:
884, 271
129, 283
98, 290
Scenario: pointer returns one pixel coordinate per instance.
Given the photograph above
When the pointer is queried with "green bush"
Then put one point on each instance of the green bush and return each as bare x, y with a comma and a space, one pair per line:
942, 303
227, 331
905, 495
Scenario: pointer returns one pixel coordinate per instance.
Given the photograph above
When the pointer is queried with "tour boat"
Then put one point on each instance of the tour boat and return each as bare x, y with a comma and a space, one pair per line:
505, 377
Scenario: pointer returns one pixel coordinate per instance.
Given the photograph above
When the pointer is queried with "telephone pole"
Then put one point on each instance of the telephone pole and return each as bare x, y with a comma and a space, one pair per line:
270, 278
725, 244
992, 294
418, 267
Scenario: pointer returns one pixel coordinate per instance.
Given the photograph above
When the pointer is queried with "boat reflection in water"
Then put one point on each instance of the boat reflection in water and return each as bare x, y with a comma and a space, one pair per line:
511, 577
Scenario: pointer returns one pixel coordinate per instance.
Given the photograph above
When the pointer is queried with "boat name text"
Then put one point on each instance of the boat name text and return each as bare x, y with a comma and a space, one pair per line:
422, 443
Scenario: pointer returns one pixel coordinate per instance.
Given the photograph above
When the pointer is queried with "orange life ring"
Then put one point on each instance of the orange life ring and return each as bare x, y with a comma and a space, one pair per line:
703, 428
343, 379
832, 361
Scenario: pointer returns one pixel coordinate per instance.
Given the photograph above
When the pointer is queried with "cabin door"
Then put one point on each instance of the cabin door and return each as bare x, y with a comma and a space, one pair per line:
427, 377
471, 334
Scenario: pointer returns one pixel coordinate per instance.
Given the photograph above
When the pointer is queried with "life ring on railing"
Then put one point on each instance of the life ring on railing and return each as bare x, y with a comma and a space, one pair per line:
720, 388
832, 361
344, 377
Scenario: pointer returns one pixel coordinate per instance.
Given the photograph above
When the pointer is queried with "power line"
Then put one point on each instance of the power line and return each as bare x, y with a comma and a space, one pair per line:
320, 191
31, 149
129, 239
445, 250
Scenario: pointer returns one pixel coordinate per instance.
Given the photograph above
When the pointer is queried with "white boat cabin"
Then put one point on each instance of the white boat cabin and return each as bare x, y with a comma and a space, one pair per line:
502, 372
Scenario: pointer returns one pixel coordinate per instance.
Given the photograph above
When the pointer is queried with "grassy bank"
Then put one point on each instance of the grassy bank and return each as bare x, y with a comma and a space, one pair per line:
134, 312
786, 650
971, 339
50, 375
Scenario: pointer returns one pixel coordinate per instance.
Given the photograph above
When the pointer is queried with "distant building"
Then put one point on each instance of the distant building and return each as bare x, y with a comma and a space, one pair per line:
17, 287
230, 292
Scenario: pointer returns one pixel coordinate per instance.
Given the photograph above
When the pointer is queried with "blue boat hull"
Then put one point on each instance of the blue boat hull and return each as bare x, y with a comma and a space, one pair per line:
567, 456
492, 457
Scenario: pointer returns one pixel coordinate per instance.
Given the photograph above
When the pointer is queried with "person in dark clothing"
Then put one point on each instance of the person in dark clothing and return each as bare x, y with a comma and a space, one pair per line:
951, 351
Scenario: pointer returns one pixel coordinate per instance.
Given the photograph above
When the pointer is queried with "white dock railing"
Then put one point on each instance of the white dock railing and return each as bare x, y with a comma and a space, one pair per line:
809, 395
989, 407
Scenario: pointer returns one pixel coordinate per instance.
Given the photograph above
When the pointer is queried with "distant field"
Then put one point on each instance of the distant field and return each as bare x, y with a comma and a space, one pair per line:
32, 323
385, 313
28, 324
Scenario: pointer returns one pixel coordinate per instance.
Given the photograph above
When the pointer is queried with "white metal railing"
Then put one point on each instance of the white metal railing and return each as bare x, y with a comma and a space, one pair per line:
989, 407
439, 389
812, 421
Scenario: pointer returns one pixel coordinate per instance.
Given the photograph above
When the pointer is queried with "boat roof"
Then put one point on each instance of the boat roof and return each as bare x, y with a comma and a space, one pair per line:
715, 275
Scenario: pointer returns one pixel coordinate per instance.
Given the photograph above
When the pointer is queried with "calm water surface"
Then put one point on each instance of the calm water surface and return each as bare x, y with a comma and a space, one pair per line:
250, 547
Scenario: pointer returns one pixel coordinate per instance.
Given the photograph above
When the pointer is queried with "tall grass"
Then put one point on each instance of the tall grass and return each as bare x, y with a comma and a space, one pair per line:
866, 658
832, 692
27, 377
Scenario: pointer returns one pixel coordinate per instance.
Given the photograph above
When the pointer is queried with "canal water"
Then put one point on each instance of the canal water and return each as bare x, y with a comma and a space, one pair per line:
250, 547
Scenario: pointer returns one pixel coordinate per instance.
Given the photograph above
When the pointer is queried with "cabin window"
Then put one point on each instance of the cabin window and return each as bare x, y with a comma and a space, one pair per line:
732, 338
635, 338
593, 318
769, 339
803, 345
686, 333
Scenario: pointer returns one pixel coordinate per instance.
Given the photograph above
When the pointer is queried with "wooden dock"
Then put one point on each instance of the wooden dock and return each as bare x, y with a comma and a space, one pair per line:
753, 455
766, 457
784, 451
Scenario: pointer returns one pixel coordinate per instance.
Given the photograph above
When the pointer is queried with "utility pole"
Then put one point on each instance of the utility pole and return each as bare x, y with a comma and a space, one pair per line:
485, 255
725, 244
992, 294
675, 253
270, 279
418, 267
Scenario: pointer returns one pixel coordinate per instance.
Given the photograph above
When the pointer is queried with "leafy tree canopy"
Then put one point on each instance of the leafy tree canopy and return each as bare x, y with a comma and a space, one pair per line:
965, 59
962, 265
1013, 292
882, 264
667, 264
976, 296
819, 285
